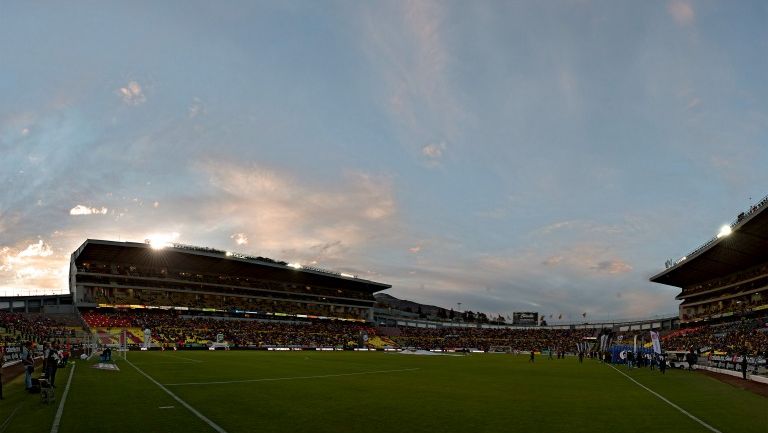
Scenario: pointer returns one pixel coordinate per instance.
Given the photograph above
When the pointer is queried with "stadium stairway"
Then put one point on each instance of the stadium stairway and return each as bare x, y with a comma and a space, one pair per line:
380, 342
112, 335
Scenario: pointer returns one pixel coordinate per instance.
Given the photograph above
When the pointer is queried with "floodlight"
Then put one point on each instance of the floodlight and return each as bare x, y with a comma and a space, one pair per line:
724, 231
160, 241
158, 245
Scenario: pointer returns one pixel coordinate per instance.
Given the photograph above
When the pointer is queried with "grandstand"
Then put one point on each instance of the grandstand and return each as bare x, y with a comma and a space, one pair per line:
727, 277
196, 298
108, 275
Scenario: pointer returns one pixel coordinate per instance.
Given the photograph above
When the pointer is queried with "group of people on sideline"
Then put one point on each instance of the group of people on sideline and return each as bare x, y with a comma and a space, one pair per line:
53, 358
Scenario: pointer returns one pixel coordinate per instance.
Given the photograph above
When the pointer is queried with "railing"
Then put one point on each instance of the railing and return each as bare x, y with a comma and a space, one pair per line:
591, 323
258, 259
741, 217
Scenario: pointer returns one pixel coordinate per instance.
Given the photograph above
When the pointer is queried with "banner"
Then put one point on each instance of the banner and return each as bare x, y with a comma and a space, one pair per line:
634, 344
147, 338
656, 342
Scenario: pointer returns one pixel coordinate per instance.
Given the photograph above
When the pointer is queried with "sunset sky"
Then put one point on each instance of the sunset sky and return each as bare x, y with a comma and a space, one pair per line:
512, 156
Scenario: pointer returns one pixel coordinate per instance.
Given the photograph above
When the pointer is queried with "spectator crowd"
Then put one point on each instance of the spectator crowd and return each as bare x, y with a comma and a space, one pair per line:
172, 329
536, 339
745, 336
16, 328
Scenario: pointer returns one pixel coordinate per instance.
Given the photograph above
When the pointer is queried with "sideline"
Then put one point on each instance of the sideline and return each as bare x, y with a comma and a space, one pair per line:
60, 410
291, 378
183, 403
683, 411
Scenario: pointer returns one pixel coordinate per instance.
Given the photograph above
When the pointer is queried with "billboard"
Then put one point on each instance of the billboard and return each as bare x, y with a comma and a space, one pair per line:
525, 319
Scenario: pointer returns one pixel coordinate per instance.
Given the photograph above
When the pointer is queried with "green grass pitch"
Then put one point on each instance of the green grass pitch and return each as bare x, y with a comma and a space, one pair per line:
378, 392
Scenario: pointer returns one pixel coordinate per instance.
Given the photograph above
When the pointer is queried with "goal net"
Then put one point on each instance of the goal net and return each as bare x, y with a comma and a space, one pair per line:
500, 349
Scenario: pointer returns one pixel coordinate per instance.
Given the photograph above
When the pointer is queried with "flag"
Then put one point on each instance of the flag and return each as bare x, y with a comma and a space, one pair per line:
584, 314
635, 344
656, 343
560, 317
603, 342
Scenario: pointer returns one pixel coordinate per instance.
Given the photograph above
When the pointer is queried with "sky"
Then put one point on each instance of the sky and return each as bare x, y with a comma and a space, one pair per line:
508, 156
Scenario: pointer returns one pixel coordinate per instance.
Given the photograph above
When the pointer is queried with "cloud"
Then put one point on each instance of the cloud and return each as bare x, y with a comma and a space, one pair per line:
587, 260
641, 303
557, 226
581, 278
40, 249
495, 214
584, 227
240, 238
433, 152
132, 94
196, 108
406, 43
31, 266
301, 220
85, 210
612, 267
681, 11
695, 102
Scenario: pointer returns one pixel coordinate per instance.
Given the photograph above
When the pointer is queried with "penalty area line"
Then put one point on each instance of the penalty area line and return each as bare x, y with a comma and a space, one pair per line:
177, 398
273, 379
683, 411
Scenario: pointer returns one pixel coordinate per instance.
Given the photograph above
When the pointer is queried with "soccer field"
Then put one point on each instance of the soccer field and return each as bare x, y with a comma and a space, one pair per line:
238, 392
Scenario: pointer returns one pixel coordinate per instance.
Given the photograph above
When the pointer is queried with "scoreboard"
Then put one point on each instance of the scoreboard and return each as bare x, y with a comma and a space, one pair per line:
525, 318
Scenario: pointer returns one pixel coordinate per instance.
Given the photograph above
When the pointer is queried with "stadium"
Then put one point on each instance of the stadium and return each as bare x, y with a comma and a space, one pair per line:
174, 337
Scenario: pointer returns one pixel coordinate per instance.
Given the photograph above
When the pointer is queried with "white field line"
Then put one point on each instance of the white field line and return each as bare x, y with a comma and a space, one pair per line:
683, 411
60, 410
8, 420
272, 379
183, 403
179, 357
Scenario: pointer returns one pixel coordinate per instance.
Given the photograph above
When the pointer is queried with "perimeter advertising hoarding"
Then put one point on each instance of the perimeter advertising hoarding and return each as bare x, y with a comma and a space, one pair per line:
525, 319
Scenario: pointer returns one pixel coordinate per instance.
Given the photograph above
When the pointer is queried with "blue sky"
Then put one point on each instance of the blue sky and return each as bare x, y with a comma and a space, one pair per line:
511, 156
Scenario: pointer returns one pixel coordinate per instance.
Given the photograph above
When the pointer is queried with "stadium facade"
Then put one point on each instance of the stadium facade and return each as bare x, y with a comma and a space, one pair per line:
726, 277
109, 274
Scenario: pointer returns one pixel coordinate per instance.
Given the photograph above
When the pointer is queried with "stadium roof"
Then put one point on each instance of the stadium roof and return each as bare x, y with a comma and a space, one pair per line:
746, 246
209, 260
